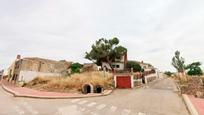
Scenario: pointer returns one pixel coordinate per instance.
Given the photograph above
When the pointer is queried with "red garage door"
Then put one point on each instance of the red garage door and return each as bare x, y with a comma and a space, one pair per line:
123, 81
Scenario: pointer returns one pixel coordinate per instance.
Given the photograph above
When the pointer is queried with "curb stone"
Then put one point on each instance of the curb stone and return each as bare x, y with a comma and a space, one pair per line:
16, 94
8, 90
189, 105
177, 88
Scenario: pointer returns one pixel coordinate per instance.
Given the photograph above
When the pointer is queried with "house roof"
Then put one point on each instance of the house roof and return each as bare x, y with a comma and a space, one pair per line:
141, 62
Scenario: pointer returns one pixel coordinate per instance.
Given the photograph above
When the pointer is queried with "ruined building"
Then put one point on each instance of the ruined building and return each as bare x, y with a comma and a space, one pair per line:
25, 69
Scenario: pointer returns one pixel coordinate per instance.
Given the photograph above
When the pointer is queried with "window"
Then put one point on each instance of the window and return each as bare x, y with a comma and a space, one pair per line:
118, 58
113, 66
117, 66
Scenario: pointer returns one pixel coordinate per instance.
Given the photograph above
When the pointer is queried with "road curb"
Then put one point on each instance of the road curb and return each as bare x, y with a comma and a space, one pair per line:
8, 90
189, 105
177, 88
17, 94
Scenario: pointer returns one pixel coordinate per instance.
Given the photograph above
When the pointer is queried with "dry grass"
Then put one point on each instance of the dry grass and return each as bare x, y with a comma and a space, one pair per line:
73, 83
193, 85
202, 77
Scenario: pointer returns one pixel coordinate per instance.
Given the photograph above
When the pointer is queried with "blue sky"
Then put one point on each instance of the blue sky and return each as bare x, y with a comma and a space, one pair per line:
152, 30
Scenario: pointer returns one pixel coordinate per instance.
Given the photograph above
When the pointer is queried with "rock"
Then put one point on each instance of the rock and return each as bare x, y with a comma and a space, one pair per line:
199, 94
21, 83
201, 82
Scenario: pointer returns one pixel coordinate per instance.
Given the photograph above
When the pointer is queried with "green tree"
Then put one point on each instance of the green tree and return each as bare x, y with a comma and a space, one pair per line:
75, 67
194, 69
168, 73
179, 63
105, 51
136, 67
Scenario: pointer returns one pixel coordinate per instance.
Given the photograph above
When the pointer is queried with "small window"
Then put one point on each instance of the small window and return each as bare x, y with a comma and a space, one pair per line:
117, 66
118, 58
113, 66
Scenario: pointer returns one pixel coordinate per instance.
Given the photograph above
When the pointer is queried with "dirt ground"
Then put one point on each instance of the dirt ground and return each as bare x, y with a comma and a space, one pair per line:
194, 85
71, 84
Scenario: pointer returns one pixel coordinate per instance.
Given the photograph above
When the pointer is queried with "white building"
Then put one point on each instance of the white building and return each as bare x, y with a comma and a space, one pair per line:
120, 63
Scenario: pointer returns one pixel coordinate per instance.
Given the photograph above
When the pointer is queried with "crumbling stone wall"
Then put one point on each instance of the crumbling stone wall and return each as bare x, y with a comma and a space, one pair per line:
30, 65
44, 65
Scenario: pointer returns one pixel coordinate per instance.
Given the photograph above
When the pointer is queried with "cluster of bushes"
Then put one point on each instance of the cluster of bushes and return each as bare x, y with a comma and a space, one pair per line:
135, 66
194, 69
75, 67
168, 73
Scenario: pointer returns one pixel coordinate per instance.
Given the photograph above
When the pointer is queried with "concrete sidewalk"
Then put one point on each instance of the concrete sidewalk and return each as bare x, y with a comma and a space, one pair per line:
30, 93
198, 103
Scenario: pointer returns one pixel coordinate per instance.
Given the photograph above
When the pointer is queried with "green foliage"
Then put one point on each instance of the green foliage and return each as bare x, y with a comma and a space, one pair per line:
75, 68
178, 62
136, 67
194, 69
142, 70
168, 73
105, 51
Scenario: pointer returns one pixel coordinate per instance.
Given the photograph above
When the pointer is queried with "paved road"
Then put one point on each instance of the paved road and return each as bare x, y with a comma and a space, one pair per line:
157, 98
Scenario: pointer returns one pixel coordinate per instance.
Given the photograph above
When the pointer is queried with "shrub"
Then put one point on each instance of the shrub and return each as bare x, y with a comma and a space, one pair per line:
202, 79
75, 68
136, 67
194, 69
168, 73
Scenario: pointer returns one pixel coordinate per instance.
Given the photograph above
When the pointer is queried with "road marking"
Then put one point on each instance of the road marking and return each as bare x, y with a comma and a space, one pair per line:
75, 100
21, 112
92, 113
125, 112
82, 102
35, 112
82, 109
91, 104
141, 113
101, 106
146, 87
113, 108
169, 87
28, 107
69, 110
25, 103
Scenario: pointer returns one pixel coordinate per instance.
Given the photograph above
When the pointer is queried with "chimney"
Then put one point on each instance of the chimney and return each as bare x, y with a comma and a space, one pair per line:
18, 57
125, 61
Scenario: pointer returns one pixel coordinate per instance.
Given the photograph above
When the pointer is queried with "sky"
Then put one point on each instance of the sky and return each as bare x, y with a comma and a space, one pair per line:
151, 30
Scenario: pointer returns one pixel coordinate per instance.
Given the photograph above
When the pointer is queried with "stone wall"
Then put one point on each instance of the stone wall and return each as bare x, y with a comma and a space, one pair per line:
44, 65
151, 77
27, 76
30, 67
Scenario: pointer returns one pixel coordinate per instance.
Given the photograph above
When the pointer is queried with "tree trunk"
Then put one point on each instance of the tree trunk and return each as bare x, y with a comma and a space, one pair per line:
182, 77
109, 61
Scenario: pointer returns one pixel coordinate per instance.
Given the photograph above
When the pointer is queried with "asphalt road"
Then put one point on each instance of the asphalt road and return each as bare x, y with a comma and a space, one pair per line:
157, 98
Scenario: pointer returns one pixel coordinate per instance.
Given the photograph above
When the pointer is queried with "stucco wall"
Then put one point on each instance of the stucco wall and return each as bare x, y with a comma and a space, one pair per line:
151, 77
120, 64
30, 75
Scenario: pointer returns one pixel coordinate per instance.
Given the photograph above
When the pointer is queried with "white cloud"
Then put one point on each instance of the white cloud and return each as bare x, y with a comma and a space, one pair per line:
65, 29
